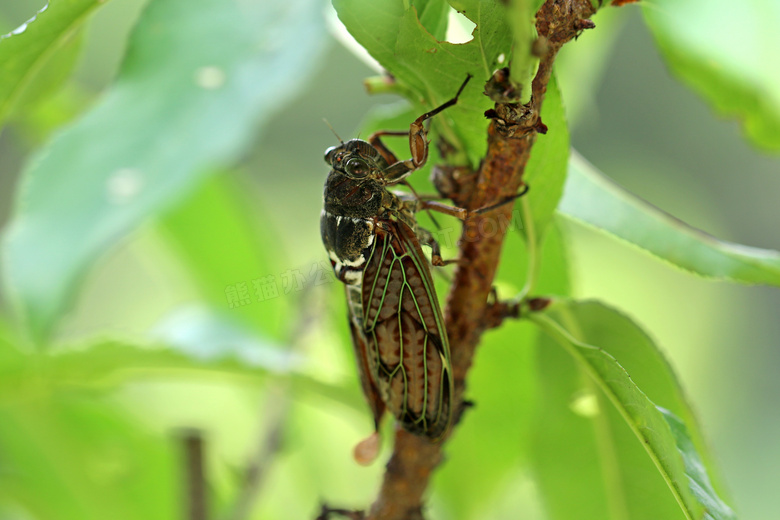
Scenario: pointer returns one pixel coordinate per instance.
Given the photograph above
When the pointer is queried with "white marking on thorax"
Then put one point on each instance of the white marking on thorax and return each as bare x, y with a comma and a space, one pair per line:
355, 220
354, 263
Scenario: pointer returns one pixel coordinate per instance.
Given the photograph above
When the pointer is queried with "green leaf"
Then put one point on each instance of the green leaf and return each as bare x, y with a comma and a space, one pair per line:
578, 477
218, 233
41, 52
190, 95
580, 66
545, 176
504, 374
586, 460
70, 458
521, 14
545, 173
71, 451
592, 198
432, 70
107, 364
734, 73
434, 16
575, 327
551, 268
696, 470
183, 347
205, 336
618, 335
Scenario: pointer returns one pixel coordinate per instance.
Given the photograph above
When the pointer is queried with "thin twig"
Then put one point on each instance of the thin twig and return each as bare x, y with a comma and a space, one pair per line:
194, 475
274, 412
268, 445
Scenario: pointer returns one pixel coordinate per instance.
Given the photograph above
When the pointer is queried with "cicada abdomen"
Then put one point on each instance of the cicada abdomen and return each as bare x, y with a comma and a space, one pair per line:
370, 234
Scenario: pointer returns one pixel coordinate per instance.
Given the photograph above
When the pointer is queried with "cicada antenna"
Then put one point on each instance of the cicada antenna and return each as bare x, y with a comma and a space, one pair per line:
333, 130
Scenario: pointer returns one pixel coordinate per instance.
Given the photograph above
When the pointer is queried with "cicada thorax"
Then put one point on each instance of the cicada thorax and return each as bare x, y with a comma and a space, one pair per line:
395, 318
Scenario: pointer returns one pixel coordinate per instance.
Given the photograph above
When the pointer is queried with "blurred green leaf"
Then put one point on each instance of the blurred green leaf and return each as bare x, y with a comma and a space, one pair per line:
51, 112
571, 325
553, 268
67, 432
726, 55
491, 441
433, 70
554, 271
51, 77
39, 54
67, 453
204, 335
110, 363
227, 245
504, 387
106, 365
193, 339
592, 198
581, 65
193, 88
68, 456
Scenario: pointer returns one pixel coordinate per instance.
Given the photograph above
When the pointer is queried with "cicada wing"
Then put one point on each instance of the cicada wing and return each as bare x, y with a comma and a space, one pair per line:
402, 321
366, 371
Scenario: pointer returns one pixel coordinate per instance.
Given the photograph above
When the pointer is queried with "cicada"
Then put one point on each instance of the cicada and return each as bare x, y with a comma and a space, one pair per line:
373, 241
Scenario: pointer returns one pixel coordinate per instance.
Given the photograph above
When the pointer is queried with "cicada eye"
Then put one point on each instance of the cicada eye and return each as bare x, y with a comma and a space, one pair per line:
330, 153
356, 167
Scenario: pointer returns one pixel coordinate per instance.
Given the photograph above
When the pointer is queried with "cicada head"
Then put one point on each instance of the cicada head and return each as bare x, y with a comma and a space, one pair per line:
358, 160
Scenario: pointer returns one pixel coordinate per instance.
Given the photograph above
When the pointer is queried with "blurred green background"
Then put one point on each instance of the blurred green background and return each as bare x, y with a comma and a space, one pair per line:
638, 125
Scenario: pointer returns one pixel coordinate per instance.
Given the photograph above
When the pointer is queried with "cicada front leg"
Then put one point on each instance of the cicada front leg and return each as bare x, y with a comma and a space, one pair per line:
418, 143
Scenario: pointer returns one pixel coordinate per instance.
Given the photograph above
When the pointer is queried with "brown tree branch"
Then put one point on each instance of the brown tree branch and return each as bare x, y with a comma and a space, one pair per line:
194, 475
511, 135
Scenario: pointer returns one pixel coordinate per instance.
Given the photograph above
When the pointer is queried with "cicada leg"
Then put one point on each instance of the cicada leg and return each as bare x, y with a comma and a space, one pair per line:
418, 142
426, 204
463, 213
426, 238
